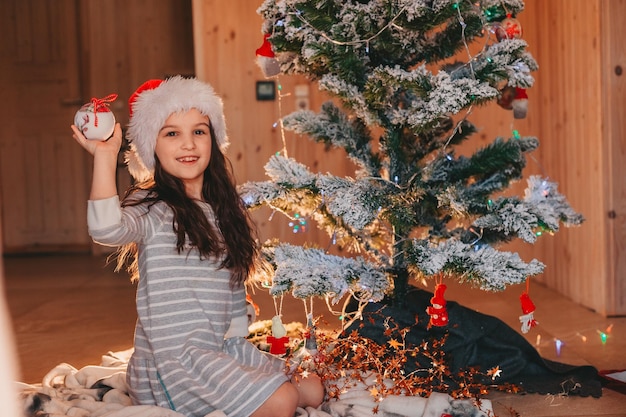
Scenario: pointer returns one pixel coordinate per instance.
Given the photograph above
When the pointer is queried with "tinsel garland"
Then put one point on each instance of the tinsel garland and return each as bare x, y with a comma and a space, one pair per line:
345, 361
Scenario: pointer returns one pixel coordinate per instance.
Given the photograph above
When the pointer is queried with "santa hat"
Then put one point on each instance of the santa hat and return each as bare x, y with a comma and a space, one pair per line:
153, 102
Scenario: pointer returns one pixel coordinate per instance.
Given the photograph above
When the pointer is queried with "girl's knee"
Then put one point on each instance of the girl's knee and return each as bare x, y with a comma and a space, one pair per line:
282, 403
310, 390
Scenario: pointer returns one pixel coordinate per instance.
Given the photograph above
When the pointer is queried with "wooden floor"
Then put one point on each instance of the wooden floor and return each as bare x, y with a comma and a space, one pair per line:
74, 309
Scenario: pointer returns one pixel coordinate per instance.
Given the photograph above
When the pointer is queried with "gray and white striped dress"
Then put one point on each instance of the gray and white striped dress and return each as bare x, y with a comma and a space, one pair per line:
185, 356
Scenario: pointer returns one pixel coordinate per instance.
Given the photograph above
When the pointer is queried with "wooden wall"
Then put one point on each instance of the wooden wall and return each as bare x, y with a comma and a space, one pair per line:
226, 37
55, 56
581, 123
124, 43
576, 110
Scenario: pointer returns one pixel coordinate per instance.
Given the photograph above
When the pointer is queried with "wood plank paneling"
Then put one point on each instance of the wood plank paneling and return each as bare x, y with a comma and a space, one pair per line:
581, 125
613, 86
44, 175
41, 174
126, 43
568, 116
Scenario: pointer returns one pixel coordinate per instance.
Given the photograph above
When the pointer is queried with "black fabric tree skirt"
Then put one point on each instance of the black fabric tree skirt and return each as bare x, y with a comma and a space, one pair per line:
476, 340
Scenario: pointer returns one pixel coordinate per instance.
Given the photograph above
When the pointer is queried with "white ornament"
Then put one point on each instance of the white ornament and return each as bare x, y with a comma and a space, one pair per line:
95, 120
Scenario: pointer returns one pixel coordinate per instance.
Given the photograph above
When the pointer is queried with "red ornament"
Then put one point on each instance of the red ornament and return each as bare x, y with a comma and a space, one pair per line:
507, 95
437, 310
512, 27
528, 308
509, 28
279, 339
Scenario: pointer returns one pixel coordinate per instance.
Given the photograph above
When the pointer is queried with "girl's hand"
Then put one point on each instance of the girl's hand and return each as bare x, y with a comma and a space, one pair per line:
111, 145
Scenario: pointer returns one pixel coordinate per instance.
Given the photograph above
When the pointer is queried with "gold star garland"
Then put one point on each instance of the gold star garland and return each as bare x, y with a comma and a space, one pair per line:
348, 360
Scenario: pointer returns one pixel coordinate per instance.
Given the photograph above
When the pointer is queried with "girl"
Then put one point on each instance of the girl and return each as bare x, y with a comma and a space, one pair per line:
194, 248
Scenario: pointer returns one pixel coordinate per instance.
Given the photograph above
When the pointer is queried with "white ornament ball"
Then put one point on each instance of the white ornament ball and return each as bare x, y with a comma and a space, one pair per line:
95, 126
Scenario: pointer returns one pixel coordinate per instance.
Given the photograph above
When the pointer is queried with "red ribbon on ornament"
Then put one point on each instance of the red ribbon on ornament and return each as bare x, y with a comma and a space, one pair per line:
101, 104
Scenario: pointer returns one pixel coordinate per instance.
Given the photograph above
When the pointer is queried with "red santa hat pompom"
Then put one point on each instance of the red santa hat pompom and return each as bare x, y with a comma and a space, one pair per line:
528, 308
266, 59
150, 106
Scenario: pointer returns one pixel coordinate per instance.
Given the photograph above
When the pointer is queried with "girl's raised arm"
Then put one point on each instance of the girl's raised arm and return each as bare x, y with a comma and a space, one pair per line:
103, 183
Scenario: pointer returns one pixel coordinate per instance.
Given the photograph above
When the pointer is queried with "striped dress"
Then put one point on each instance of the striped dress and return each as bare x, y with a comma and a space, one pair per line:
185, 356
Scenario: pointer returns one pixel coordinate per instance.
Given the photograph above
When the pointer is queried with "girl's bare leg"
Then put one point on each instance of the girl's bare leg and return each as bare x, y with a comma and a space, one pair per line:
310, 390
282, 403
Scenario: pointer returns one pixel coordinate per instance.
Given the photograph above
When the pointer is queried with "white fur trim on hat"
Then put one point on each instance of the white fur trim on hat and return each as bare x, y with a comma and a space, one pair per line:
151, 107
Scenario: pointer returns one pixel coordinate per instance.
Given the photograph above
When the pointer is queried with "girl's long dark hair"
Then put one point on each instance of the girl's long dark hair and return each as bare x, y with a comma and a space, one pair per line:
232, 238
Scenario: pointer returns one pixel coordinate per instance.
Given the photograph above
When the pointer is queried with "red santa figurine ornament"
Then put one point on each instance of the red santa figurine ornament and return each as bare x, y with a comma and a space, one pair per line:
528, 308
279, 339
437, 310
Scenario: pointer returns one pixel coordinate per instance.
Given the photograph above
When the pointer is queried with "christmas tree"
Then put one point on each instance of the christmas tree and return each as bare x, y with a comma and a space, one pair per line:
404, 75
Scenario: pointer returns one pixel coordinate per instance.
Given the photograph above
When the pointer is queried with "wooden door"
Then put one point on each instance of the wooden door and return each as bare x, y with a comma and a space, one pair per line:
43, 185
